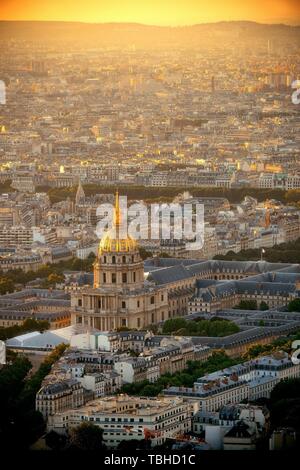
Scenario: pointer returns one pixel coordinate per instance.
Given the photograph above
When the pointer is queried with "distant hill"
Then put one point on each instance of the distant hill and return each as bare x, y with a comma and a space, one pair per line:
120, 34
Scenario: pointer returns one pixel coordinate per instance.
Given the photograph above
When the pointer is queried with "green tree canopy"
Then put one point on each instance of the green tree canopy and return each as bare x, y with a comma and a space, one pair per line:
199, 327
247, 305
55, 441
294, 305
87, 436
6, 285
285, 404
263, 306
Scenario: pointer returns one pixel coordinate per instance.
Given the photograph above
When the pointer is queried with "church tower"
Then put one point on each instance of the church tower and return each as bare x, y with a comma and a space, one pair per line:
118, 264
80, 195
119, 297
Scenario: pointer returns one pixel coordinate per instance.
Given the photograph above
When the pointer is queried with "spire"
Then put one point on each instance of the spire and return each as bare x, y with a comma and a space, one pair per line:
267, 219
117, 214
80, 195
114, 240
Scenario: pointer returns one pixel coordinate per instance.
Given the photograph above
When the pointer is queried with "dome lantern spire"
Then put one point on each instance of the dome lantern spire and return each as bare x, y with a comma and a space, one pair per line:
117, 211
113, 241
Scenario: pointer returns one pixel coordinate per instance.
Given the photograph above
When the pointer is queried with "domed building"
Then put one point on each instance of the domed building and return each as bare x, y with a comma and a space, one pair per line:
120, 297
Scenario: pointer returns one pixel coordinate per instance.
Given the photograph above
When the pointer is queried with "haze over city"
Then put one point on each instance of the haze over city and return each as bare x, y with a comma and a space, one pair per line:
180, 121
153, 12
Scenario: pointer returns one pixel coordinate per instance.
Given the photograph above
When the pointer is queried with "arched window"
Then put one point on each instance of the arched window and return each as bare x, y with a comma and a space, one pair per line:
123, 259
104, 259
113, 260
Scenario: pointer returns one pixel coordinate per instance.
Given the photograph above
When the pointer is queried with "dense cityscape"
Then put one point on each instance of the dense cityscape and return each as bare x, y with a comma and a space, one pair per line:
136, 344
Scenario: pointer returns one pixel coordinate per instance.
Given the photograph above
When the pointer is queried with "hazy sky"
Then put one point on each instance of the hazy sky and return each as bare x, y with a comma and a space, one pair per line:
160, 12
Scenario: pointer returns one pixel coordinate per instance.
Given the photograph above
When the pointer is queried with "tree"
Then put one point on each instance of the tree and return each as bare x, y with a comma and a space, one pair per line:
55, 278
30, 324
285, 404
12, 380
173, 324
144, 253
263, 306
200, 327
163, 254
195, 369
154, 328
247, 305
87, 436
288, 388
6, 286
258, 349
130, 446
123, 328
55, 441
18, 418
294, 305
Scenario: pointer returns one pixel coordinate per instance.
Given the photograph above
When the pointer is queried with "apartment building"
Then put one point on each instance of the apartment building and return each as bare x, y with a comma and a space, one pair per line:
137, 369
250, 380
56, 397
126, 418
101, 384
26, 262
16, 236
279, 180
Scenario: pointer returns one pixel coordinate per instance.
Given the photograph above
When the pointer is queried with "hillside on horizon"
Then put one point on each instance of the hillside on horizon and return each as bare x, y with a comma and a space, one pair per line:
120, 34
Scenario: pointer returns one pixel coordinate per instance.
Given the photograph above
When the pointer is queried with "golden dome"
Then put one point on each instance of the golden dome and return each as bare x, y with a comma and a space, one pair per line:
111, 242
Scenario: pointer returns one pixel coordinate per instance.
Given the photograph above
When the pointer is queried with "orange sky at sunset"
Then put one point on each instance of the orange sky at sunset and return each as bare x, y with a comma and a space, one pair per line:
160, 12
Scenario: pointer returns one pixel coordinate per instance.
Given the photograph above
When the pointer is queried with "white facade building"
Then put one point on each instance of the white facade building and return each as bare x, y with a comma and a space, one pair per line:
126, 418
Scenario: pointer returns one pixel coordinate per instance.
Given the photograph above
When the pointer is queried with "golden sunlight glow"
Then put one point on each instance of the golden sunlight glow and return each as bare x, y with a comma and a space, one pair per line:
159, 12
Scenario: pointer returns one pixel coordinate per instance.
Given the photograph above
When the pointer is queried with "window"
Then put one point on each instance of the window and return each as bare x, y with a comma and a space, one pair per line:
79, 302
138, 304
152, 300
113, 278
123, 321
113, 260
134, 276
104, 259
123, 304
138, 322
162, 297
104, 278
124, 277
123, 259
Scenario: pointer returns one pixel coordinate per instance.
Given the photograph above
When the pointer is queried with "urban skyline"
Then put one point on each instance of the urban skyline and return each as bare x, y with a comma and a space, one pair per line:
149, 227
